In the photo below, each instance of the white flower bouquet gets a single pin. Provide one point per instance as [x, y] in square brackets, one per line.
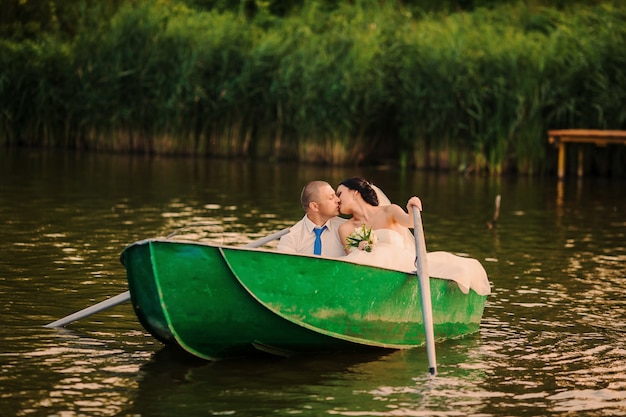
[361, 238]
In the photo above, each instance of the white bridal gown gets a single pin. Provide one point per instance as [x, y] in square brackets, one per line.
[389, 252]
[393, 251]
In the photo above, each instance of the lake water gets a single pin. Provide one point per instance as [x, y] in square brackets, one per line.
[551, 340]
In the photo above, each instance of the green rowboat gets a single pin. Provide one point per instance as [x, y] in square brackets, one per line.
[220, 301]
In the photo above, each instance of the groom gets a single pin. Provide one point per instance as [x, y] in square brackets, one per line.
[317, 232]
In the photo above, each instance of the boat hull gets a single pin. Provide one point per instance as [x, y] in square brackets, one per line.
[217, 302]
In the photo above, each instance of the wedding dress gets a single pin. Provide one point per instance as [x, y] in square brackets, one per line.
[389, 252]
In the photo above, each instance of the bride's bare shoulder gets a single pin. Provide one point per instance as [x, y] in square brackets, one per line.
[392, 209]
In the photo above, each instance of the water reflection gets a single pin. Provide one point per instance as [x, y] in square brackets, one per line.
[70, 374]
[562, 364]
[377, 383]
[551, 341]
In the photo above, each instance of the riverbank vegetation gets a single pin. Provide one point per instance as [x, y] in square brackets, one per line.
[468, 88]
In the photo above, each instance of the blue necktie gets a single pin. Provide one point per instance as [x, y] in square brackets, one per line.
[317, 246]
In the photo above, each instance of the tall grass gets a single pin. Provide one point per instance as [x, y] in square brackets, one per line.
[330, 85]
[160, 80]
[473, 92]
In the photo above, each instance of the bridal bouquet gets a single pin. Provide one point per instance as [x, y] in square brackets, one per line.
[361, 238]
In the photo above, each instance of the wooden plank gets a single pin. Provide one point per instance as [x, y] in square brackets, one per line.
[588, 133]
[596, 141]
[597, 137]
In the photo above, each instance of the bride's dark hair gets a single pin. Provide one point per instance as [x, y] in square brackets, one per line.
[363, 187]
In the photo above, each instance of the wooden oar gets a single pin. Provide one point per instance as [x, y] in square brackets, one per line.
[125, 296]
[421, 263]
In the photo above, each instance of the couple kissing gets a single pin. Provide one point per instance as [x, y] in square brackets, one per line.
[375, 233]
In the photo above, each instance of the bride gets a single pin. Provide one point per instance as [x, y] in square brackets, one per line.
[369, 207]
[395, 246]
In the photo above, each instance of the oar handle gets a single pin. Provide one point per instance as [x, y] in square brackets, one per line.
[421, 261]
[260, 242]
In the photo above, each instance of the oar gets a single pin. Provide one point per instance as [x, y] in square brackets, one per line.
[125, 296]
[103, 305]
[262, 241]
[421, 263]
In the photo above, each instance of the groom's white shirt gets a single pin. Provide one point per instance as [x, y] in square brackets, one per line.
[301, 238]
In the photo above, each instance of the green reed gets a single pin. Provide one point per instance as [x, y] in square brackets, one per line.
[474, 92]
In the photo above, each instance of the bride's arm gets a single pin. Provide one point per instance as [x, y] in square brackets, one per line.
[344, 231]
[400, 216]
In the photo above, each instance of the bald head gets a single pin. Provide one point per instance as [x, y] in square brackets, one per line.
[320, 202]
[311, 193]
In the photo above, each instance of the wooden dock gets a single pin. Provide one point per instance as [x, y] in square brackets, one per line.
[597, 137]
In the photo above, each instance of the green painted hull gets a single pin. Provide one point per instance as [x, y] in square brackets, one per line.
[217, 302]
